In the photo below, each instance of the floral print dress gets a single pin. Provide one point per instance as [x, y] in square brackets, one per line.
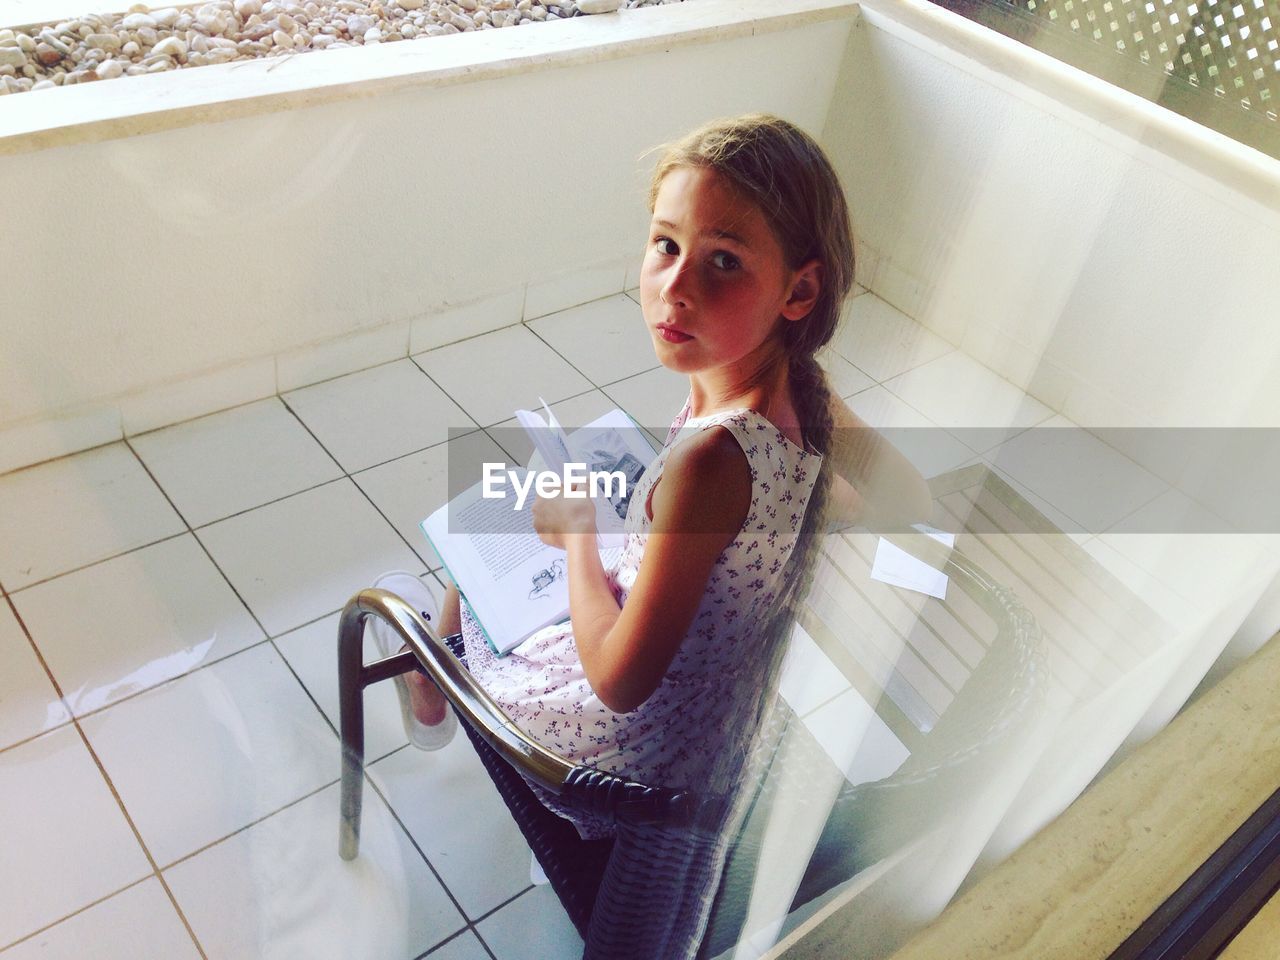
[704, 705]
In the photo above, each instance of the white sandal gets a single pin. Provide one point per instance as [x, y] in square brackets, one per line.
[415, 593]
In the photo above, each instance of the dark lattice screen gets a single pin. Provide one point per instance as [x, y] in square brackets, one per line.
[1217, 61]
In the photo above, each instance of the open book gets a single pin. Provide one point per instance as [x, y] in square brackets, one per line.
[513, 582]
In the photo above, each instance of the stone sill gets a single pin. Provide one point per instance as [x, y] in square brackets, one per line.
[112, 109]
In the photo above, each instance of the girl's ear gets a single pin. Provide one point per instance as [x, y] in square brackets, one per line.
[805, 287]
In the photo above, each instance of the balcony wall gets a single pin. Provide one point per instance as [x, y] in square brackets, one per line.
[204, 238]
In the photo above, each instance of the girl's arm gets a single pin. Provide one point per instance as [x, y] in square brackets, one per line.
[698, 507]
[872, 483]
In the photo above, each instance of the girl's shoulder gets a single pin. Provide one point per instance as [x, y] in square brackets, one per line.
[706, 483]
[711, 456]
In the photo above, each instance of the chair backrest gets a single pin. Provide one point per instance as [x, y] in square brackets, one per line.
[867, 822]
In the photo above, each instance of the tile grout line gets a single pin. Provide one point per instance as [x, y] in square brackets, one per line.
[94, 563]
[250, 825]
[74, 913]
[454, 937]
[102, 770]
[581, 303]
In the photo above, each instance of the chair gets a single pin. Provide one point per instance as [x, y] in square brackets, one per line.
[676, 878]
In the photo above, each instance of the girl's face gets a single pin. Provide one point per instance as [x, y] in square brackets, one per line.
[714, 287]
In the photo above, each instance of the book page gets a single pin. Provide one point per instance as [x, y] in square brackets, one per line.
[499, 548]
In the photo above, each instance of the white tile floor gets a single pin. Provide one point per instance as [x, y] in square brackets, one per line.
[168, 758]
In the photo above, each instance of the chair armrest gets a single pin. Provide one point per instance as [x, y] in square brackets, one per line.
[594, 790]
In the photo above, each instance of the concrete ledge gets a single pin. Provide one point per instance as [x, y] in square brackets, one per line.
[132, 106]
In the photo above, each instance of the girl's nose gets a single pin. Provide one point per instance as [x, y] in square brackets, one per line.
[676, 290]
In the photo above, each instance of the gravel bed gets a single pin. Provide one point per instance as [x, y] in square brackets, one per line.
[143, 40]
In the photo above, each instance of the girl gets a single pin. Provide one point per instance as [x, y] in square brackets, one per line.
[668, 657]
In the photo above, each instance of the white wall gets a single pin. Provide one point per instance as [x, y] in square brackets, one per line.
[215, 251]
[1120, 285]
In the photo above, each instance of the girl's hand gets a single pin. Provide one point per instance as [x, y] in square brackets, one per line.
[559, 517]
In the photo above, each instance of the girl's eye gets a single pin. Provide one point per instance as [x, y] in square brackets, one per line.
[660, 241]
[730, 262]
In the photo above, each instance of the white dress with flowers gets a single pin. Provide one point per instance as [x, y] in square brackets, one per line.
[703, 705]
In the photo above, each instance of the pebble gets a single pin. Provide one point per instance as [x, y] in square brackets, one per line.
[170, 47]
[47, 55]
[212, 22]
[52, 39]
[92, 46]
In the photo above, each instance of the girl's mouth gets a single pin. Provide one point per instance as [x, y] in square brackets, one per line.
[671, 334]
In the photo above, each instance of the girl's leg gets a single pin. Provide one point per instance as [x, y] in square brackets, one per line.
[428, 703]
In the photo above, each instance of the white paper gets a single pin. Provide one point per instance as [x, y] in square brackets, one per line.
[894, 566]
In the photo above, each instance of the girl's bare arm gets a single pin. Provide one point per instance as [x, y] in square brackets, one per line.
[698, 507]
[872, 483]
